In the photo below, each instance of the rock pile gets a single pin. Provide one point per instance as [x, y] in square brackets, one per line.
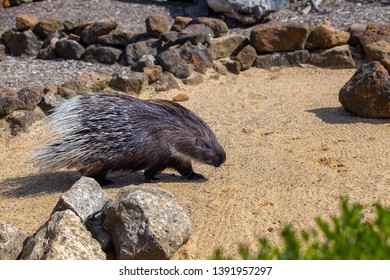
[138, 223]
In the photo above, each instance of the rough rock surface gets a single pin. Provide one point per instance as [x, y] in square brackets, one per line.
[102, 54]
[129, 82]
[226, 46]
[11, 242]
[85, 198]
[19, 43]
[146, 223]
[379, 51]
[278, 59]
[338, 57]
[69, 49]
[156, 24]
[92, 32]
[325, 36]
[88, 81]
[367, 93]
[26, 21]
[62, 237]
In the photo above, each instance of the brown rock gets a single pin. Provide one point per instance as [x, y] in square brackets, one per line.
[232, 66]
[19, 43]
[154, 72]
[379, 51]
[26, 21]
[193, 80]
[166, 82]
[102, 54]
[220, 68]
[129, 82]
[118, 37]
[218, 26]
[196, 33]
[9, 102]
[376, 32]
[31, 96]
[246, 57]
[326, 36]
[276, 36]
[199, 56]
[66, 92]
[357, 31]
[11, 242]
[180, 23]
[181, 97]
[227, 45]
[156, 24]
[367, 93]
[47, 27]
[71, 24]
[88, 82]
[20, 121]
[91, 32]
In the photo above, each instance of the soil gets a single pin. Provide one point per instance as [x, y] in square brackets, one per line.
[292, 152]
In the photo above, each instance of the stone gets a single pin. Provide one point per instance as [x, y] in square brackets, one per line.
[169, 38]
[184, 71]
[145, 61]
[11, 242]
[48, 52]
[326, 36]
[70, 49]
[247, 11]
[227, 46]
[156, 24]
[218, 26]
[193, 80]
[25, 22]
[279, 59]
[232, 66]
[246, 57]
[20, 121]
[91, 33]
[9, 102]
[379, 51]
[78, 30]
[65, 92]
[31, 96]
[47, 27]
[166, 82]
[356, 31]
[119, 37]
[199, 56]
[169, 60]
[62, 237]
[196, 33]
[129, 82]
[180, 97]
[376, 32]
[146, 223]
[220, 68]
[19, 43]
[338, 57]
[276, 36]
[95, 226]
[85, 198]
[153, 72]
[134, 52]
[102, 54]
[180, 23]
[88, 82]
[71, 24]
[367, 93]
[50, 101]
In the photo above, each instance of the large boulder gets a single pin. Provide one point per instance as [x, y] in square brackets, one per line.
[19, 43]
[326, 36]
[62, 237]
[277, 36]
[146, 223]
[367, 93]
[376, 32]
[247, 11]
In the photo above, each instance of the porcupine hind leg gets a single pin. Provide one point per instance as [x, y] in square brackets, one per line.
[150, 173]
[98, 174]
[185, 170]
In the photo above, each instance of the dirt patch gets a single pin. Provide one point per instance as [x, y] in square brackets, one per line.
[292, 151]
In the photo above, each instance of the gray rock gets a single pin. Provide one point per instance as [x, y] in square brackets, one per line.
[50, 101]
[95, 226]
[102, 54]
[184, 71]
[145, 61]
[19, 43]
[85, 198]
[277, 36]
[220, 68]
[218, 26]
[166, 82]
[134, 52]
[20, 121]
[227, 45]
[196, 33]
[367, 93]
[193, 80]
[11, 242]
[338, 57]
[31, 96]
[169, 60]
[146, 223]
[92, 32]
[169, 38]
[129, 82]
[199, 56]
[62, 237]
[356, 31]
[48, 52]
[247, 11]
[279, 59]
[71, 49]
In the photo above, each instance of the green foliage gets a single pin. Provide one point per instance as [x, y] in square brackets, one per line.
[347, 237]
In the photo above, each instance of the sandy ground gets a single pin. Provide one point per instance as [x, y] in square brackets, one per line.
[292, 151]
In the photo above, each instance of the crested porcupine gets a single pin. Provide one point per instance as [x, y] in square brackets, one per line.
[100, 133]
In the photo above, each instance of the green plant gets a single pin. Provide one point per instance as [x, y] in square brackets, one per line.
[346, 237]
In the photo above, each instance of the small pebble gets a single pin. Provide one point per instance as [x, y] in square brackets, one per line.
[180, 97]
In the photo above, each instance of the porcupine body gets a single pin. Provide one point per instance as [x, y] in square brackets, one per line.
[101, 133]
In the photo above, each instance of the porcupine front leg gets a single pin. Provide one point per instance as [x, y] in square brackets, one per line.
[185, 170]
